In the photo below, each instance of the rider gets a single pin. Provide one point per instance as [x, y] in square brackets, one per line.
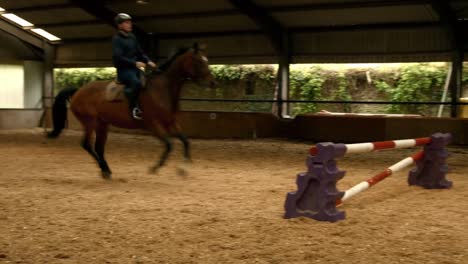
[128, 58]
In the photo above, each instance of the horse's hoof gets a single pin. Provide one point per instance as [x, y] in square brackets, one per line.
[52, 134]
[183, 168]
[182, 172]
[153, 169]
[106, 175]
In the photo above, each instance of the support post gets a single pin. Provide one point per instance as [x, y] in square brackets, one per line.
[454, 28]
[279, 37]
[48, 79]
[456, 81]
[283, 77]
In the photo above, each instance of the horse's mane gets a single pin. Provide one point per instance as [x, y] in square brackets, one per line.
[165, 65]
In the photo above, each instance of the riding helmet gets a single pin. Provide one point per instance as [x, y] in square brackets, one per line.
[122, 17]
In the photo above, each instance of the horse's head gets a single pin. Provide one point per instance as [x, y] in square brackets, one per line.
[195, 66]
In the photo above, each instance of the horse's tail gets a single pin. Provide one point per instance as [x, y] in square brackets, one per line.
[59, 111]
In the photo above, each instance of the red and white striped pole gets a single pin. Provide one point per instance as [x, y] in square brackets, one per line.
[372, 146]
[379, 177]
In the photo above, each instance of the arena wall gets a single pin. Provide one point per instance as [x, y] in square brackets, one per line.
[20, 118]
[314, 127]
[345, 129]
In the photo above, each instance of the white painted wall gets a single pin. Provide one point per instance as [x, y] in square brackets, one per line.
[12, 85]
[33, 83]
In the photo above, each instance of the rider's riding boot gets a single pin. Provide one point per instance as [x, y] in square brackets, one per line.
[135, 111]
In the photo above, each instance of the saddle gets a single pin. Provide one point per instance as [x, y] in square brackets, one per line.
[114, 90]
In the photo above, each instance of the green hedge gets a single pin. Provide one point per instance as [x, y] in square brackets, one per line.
[411, 82]
[66, 78]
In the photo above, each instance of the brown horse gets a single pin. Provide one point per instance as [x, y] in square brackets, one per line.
[159, 101]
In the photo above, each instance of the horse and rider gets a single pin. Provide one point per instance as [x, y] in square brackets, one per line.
[153, 107]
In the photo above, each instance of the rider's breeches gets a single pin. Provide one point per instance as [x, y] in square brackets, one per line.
[131, 79]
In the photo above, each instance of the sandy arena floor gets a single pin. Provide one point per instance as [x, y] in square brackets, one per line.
[55, 208]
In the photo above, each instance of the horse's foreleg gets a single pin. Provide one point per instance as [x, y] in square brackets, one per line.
[186, 144]
[182, 168]
[161, 133]
[168, 148]
[101, 138]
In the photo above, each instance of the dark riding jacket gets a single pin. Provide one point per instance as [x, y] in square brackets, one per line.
[126, 51]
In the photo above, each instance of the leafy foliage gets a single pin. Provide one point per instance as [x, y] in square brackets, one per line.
[414, 82]
[306, 85]
[242, 72]
[342, 93]
[65, 78]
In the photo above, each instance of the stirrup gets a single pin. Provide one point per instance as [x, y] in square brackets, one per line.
[136, 113]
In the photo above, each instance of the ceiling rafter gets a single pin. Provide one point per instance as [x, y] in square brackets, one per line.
[207, 34]
[377, 26]
[21, 34]
[97, 8]
[41, 8]
[185, 35]
[94, 22]
[448, 18]
[346, 5]
[154, 17]
[272, 27]
[213, 13]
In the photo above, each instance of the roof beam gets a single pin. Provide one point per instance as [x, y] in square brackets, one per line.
[208, 34]
[301, 30]
[186, 35]
[448, 18]
[213, 13]
[264, 20]
[285, 8]
[151, 18]
[40, 8]
[97, 8]
[378, 26]
[347, 5]
[21, 34]
[93, 22]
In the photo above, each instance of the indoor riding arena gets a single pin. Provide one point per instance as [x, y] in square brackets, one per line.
[228, 209]
[263, 186]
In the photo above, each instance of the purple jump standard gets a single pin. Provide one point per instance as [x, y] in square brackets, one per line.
[317, 196]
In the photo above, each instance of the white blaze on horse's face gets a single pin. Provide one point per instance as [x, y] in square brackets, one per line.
[204, 58]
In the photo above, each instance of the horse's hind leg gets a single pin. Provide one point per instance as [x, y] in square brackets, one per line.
[86, 142]
[89, 126]
[101, 138]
